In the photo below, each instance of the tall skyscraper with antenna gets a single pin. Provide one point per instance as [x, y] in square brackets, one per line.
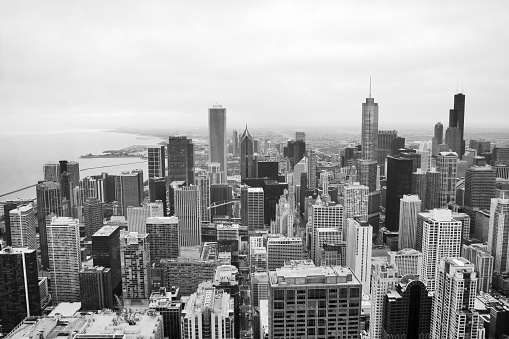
[217, 137]
[369, 133]
[457, 118]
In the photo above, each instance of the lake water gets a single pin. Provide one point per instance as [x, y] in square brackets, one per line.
[22, 156]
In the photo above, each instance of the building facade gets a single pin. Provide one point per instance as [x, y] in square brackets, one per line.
[135, 263]
[163, 236]
[217, 137]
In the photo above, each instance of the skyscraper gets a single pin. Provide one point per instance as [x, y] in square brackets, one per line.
[482, 259]
[135, 262]
[299, 294]
[235, 142]
[369, 133]
[453, 140]
[246, 155]
[281, 249]
[408, 261]
[95, 288]
[385, 277]
[447, 165]
[93, 216]
[49, 201]
[156, 161]
[19, 294]
[323, 236]
[359, 243]
[129, 189]
[252, 210]
[64, 253]
[106, 253]
[410, 205]
[180, 159]
[355, 203]
[441, 238]
[385, 139]
[479, 187]
[498, 233]
[188, 212]
[432, 190]
[453, 300]
[438, 138]
[163, 236]
[22, 226]
[457, 118]
[419, 187]
[203, 183]
[51, 171]
[217, 137]
[399, 183]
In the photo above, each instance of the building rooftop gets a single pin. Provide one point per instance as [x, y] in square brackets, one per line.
[226, 274]
[405, 251]
[105, 231]
[163, 220]
[15, 250]
[302, 273]
[208, 297]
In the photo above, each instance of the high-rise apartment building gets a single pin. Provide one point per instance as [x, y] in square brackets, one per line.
[441, 238]
[407, 310]
[49, 200]
[457, 119]
[408, 261]
[188, 212]
[355, 201]
[135, 263]
[129, 189]
[246, 155]
[453, 300]
[95, 288]
[359, 249]
[217, 137]
[306, 301]
[208, 314]
[399, 183]
[252, 210]
[93, 216]
[282, 249]
[482, 259]
[156, 161]
[19, 294]
[498, 233]
[447, 165]
[369, 133]
[163, 236]
[180, 159]
[384, 278]
[410, 205]
[64, 253]
[106, 253]
[22, 227]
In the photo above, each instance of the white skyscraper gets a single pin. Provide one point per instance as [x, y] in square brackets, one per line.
[188, 211]
[385, 277]
[358, 251]
[498, 233]
[447, 165]
[409, 206]
[23, 227]
[408, 261]
[441, 238]
[324, 215]
[453, 300]
[64, 253]
[478, 255]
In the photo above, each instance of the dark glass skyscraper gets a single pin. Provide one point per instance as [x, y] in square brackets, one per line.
[457, 118]
[93, 215]
[399, 183]
[180, 159]
[246, 155]
[156, 161]
[217, 137]
[369, 133]
[106, 253]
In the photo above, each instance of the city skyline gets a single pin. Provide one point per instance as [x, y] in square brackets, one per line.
[71, 66]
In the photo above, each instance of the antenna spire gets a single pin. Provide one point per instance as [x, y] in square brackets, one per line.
[370, 86]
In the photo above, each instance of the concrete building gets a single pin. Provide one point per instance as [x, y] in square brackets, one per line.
[453, 300]
[217, 137]
[306, 301]
[283, 249]
[135, 261]
[64, 252]
[259, 287]
[137, 216]
[409, 206]
[447, 166]
[498, 234]
[355, 203]
[323, 236]
[333, 254]
[188, 212]
[252, 211]
[359, 249]
[324, 214]
[23, 227]
[384, 278]
[478, 255]
[407, 260]
[163, 236]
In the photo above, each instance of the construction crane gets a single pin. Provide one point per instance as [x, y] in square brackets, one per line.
[218, 204]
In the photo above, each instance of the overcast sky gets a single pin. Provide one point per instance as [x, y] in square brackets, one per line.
[300, 64]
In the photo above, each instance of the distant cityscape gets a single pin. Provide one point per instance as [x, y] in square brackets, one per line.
[255, 234]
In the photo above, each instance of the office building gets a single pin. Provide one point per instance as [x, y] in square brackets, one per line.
[432, 190]
[457, 119]
[22, 227]
[369, 133]
[306, 301]
[419, 187]
[95, 288]
[49, 200]
[166, 301]
[407, 310]
[324, 215]
[453, 313]
[129, 189]
[385, 139]
[447, 165]
[106, 253]
[294, 152]
[478, 255]
[135, 263]
[501, 155]
[453, 139]
[359, 249]
[51, 171]
[399, 183]
[410, 205]
[220, 197]
[180, 159]
[355, 203]
[156, 161]
[19, 294]
[385, 277]
[441, 238]
[217, 137]
[137, 216]
[246, 155]
[203, 183]
[188, 212]
[282, 249]
[407, 260]
[323, 236]
[300, 136]
[163, 236]
[64, 253]
[438, 138]
[235, 143]
[259, 287]
[93, 216]
[284, 216]
[252, 211]
[498, 233]
[311, 162]
[479, 187]
[208, 314]
[157, 192]
[333, 254]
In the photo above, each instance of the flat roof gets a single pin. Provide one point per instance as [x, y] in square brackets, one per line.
[66, 309]
[105, 231]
